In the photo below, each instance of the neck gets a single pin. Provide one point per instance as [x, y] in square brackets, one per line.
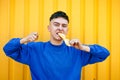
[56, 42]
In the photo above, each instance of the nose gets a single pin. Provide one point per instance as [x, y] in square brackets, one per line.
[60, 27]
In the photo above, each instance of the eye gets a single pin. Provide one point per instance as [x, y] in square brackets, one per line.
[64, 25]
[56, 24]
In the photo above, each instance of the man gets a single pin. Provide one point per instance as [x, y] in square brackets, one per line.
[54, 60]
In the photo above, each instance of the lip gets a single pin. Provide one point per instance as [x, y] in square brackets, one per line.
[57, 35]
[59, 32]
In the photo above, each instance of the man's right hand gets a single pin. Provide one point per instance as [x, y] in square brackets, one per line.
[30, 38]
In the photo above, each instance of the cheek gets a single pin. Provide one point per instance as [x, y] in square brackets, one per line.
[52, 29]
[66, 30]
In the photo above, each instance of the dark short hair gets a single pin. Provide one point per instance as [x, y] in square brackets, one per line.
[59, 14]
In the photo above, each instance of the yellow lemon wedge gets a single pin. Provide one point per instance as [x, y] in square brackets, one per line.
[64, 38]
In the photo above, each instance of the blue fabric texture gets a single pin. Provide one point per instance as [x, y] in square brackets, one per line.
[51, 62]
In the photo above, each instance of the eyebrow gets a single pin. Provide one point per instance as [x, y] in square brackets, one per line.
[56, 22]
[59, 23]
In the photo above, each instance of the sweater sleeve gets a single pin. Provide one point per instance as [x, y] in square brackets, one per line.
[97, 54]
[17, 51]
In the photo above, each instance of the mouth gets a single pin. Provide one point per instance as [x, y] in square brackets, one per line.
[58, 33]
[59, 37]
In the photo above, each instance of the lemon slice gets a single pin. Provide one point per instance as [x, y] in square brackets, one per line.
[64, 38]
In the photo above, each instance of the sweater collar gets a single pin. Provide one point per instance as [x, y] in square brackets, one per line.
[57, 46]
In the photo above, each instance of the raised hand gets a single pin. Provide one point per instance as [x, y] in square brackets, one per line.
[30, 38]
[77, 44]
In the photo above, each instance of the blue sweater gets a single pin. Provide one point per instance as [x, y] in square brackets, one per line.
[51, 62]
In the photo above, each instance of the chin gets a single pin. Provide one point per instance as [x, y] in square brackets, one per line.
[59, 39]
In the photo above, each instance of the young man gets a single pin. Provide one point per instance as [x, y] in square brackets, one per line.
[54, 60]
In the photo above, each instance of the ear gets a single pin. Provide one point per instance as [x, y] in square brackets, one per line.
[48, 28]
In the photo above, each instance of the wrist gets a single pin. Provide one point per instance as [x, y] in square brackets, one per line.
[23, 40]
[85, 48]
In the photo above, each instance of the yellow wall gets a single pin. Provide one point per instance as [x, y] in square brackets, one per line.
[91, 21]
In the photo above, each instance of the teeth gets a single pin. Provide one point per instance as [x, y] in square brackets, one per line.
[57, 33]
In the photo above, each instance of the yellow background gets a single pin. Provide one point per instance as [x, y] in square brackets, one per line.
[91, 21]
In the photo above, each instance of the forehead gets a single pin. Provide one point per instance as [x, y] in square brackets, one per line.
[59, 20]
